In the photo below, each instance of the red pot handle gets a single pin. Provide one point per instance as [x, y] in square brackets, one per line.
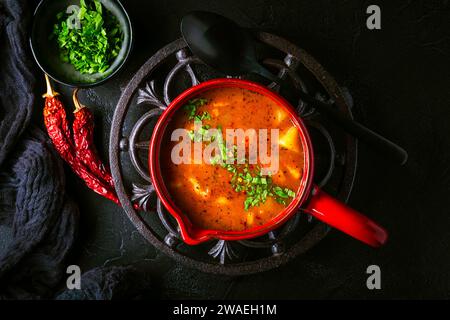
[336, 214]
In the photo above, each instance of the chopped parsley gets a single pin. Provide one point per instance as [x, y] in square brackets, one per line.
[192, 106]
[93, 46]
[200, 134]
[248, 178]
[256, 186]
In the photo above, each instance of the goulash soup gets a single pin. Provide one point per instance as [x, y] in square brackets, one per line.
[228, 189]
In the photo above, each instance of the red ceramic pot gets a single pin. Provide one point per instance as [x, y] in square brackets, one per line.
[309, 197]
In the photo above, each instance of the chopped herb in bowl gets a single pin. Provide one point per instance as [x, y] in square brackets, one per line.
[92, 44]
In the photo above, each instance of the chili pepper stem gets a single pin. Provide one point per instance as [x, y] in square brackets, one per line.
[50, 93]
[76, 102]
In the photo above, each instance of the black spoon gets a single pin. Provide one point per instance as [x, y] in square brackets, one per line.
[225, 46]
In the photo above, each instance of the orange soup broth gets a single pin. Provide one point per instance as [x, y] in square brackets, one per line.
[204, 192]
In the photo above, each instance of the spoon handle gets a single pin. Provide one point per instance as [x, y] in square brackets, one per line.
[359, 131]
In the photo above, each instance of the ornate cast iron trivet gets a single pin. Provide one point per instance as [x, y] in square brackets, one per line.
[173, 69]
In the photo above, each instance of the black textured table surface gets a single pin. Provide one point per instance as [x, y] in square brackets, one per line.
[399, 78]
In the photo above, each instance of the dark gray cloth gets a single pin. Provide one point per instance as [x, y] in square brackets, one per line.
[111, 283]
[33, 202]
[16, 79]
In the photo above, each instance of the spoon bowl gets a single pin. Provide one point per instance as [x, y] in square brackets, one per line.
[219, 42]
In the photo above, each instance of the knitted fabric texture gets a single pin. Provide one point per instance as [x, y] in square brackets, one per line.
[33, 202]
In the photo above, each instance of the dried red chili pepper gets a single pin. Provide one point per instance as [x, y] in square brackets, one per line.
[83, 136]
[55, 120]
[58, 129]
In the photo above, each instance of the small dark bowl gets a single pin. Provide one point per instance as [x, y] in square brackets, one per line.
[46, 51]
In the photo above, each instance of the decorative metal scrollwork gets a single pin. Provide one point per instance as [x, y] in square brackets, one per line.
[141, 195]
[184, 63]
[135, 144]
[148, 95]
[155, 89]
[222, 250]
